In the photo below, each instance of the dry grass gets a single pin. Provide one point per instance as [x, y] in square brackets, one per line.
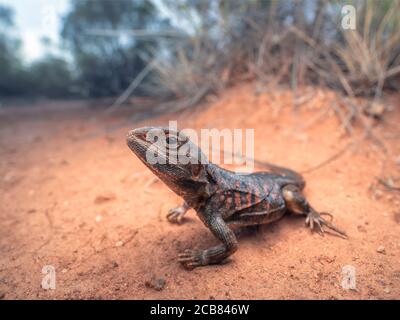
[256, 41]
[272, 43]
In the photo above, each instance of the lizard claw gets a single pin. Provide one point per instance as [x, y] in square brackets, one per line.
[191, 259]
[314, 218]
[175, 215]
[327, 214]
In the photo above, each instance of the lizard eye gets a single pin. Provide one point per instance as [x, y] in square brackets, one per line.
[171, 140]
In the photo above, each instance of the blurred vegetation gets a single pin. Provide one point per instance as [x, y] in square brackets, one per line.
[107, 64]
[48, 77]
[285, 42]
[51, 76]
[11, 70]
[121, 47]
[102, 65]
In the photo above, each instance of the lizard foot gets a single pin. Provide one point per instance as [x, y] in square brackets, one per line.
[191, 259]
[175, 215]
[314, 219]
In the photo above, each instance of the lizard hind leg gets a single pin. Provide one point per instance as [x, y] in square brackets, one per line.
[297, 203]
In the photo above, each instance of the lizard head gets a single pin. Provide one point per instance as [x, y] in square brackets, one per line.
[171, 156]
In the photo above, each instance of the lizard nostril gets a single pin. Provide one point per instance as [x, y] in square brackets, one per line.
[131, 135]
[136, 134]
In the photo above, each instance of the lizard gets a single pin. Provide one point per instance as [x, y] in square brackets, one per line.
[222, 199]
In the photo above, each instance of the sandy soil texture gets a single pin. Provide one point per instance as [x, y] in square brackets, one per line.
[73, 196]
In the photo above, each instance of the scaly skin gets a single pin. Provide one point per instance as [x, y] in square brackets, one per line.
[221, 198]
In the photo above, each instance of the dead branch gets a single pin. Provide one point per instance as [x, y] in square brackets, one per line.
[388, 184]
[134, 84]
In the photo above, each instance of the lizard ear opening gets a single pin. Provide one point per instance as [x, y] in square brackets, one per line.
[195, 168]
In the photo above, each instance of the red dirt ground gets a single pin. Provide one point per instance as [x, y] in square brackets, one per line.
[74, 196]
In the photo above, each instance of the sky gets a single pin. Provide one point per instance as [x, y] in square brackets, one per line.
[35, 19]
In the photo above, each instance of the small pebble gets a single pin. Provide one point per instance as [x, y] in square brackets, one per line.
[361, 228]
[386, 290]
[104, 198]
[381, 249]
[378, 194]
[119, 244]
[156, 283]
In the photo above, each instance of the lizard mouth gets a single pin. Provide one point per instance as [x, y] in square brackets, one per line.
[156, 159]
[135, 135]
[137, 141]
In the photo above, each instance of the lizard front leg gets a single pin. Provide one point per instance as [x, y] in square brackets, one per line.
[175, 215]
[194, 258]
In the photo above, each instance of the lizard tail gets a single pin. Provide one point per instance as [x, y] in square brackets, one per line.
[282, 171]
[286, 172]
